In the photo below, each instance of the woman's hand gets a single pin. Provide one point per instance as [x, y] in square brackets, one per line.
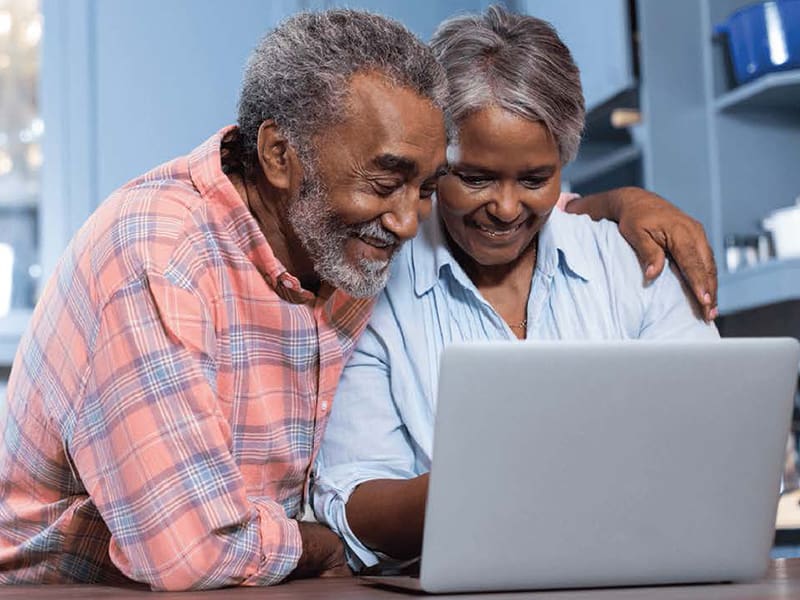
[653, 227]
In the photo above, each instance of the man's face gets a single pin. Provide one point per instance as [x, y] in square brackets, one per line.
[371, 185]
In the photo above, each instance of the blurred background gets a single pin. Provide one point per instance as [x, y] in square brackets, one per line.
[697, 100]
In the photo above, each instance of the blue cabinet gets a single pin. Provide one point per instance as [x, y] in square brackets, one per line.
[598, 33]
[728, 155]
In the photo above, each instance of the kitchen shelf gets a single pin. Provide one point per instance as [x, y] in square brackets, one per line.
[751, 287]
[598, 158]
[772, 91]
[12, 326]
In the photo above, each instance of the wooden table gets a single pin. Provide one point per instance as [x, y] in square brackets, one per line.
[782, 581]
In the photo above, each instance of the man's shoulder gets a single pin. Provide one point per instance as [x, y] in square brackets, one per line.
[154, 223]
[159, 196]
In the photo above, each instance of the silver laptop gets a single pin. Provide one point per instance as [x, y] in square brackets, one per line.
[580, 464]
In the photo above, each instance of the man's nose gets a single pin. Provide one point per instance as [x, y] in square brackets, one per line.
[404, 217]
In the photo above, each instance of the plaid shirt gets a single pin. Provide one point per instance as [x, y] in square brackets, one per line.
[169, 396]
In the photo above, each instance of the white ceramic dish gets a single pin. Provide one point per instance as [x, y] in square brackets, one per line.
[784, 224]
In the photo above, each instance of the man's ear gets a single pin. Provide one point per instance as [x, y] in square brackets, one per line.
[276, 156]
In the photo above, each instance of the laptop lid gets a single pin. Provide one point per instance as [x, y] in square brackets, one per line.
[572, 464]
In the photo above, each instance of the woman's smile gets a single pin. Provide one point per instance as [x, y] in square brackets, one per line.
[500, 232]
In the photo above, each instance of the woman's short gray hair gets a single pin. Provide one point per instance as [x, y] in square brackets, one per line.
[298, 75]
[516, 62]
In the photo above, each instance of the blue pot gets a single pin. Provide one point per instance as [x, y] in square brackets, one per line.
[763, 38]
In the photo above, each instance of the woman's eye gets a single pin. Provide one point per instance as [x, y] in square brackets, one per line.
[533, 183]
[474, 180]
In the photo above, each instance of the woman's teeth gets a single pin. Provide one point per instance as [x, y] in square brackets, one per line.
[498, 232]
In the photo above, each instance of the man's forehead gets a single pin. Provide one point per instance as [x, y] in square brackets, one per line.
[377, 107]
[371, 88]
[384, 126]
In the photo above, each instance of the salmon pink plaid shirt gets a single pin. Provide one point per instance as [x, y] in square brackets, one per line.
[170, 395]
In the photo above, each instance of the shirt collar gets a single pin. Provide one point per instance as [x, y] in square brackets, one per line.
[561, 244]
[205, 170]
[430, 254]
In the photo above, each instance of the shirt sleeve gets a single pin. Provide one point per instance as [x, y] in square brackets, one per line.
[671, 311]
[365, 439]
[153, 450]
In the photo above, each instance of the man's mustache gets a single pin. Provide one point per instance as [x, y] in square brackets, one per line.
[373, 229]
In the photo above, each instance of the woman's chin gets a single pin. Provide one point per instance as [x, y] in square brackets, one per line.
[496, 256]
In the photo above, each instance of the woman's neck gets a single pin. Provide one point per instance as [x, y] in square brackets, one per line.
[505, 287]
[508, 275]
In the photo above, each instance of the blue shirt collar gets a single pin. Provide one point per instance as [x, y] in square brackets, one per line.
[561, 245]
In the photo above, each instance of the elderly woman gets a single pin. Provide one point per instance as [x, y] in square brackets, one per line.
[498, 263]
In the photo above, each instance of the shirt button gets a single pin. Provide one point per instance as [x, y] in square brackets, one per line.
[287, 283]
[324, 405]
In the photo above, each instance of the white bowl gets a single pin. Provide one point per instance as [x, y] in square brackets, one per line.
[784, 224]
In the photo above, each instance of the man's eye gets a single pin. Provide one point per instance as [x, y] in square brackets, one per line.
[475, 180]
[427, 192]
[385, 188]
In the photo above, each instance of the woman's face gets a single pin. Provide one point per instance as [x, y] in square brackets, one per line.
[504, 180]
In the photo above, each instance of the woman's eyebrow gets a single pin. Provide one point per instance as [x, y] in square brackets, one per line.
[463, 166]
[541, 171]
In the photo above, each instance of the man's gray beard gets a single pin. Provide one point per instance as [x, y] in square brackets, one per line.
[324, 237]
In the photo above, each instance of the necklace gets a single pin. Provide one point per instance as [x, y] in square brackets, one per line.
[522, 325]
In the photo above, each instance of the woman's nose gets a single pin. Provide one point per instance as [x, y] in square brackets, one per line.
[505, 204]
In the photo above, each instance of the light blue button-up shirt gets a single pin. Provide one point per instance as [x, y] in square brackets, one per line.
[587, 285]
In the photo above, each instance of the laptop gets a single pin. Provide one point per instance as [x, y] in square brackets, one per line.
[585, 464]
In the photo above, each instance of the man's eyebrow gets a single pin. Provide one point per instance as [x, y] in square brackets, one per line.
[399, 164]
[441, 171]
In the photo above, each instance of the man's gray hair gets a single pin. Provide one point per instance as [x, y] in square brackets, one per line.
[299, 73]
[516, 62]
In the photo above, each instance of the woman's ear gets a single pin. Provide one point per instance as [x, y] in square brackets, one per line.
[276, 157]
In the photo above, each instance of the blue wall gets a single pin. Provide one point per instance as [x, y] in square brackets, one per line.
[160, 77]
[129, 84]
[167, 76]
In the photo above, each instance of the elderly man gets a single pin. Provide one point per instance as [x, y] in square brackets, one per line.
[170, 395]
